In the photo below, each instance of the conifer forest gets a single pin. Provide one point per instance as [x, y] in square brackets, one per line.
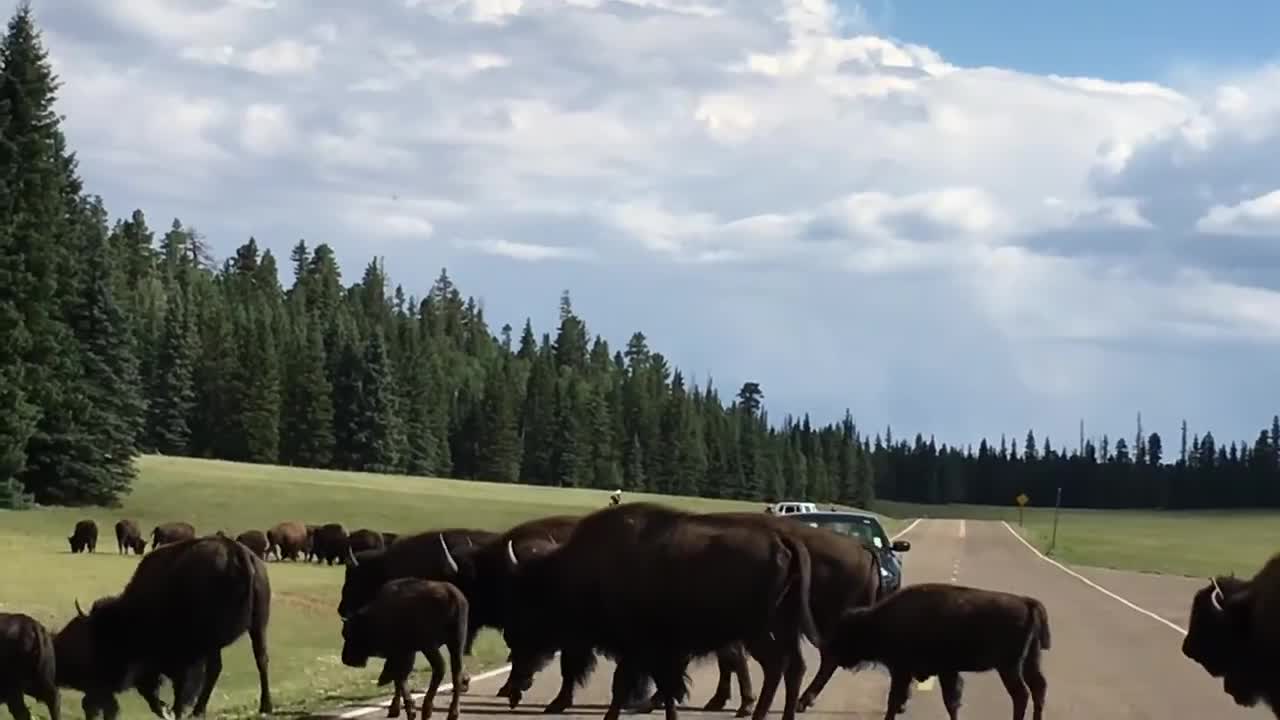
[127, 336]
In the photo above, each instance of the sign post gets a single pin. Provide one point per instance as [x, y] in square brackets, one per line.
[1022, 501]
[1053, 541]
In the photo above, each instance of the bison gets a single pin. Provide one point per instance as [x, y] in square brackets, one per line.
[944, 629]
[654, 587]
[288, 539]
[171, 532]
[1231, 635]
[389, 537]
[84, 538]
[129, 537]
[364, 539]
[330, 543]
[407, 616]
[28, 666]
[185, 602]
[255, 540]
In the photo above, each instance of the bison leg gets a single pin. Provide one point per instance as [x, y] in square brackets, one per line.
[258, 623]
[826, 668]
[899, 693]
[1036, 682]
[402, 695]
[1012, 678]
[436, 660]
[576, 665]
[738, 661]
[148, 686]
[624, 676]
[458, 675]
[773, 663]
[18, 706]
[106, 705]
[952, 687]
[212, 671]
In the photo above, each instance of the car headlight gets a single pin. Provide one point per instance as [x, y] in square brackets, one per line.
[883, 572]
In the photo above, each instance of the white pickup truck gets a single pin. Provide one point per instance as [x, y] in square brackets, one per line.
[786, 508]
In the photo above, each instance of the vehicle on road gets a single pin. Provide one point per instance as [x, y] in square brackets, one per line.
[865, 528]
[791, 507]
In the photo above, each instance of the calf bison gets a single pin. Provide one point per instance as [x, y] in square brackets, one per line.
[129, 537]
[288, 540]
[84, 538]
[943, 629]
[185, 602]
[364, 539]
[171, 532]
[28, 666]
[1232, 635]
[330, 543]
[255, 540]
[408, 616]
[653, 587]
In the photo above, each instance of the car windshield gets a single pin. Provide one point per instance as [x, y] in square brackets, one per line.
[865, 529]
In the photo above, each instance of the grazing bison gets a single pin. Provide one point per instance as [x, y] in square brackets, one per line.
[1232, 635]
[330, 543]
[943, 629]
[28, 666]
[171, 532]
[129, 537]
[185, 602]
[364, 539]
[255, 540]
[288, 539]
[653, 587]
[84, 538]
[408, 616]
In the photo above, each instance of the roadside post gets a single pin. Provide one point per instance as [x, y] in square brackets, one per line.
[1053, 541]
[1022, 501]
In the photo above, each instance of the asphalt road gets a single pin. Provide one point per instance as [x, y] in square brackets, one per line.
[1110, 659]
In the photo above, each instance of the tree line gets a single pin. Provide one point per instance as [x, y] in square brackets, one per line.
[120, 339]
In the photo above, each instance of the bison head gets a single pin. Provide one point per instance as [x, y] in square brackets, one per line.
[1218, 636]
[75, 543]
[357, 640]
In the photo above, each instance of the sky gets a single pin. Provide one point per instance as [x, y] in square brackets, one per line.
[958, 219]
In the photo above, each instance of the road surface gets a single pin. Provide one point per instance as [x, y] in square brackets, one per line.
[1110, 658]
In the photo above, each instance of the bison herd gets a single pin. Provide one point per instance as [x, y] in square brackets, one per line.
[651, 587]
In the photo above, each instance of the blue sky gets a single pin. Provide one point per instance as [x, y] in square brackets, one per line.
[963, 219]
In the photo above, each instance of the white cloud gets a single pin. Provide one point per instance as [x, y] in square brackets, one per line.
[951, 230]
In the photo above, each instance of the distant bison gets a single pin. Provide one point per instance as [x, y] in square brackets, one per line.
[363, 539]
[408, 616]
[255, 540]
[185, 602]
[84, 538]
[288, 540]
[27, 665]
[330, 543]
[944, 629]
[171, 532]
[129, 537]
[1232, 635]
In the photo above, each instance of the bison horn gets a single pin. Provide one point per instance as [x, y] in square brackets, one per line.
[1216, 597]
[78, 610]
[448, 556]
[351, 558]
[511, 553]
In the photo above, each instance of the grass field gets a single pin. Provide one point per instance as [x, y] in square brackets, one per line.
[1195, 543]
[42, 577]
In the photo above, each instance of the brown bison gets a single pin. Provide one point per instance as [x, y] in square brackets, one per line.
[365, 539]
[1231, 635]
[330, 544]
[287, 540]
[84, 538]
[185, 602]
[171, 532]
[28, 666]
[255, 540]
[408, 616]
[944, 629]
[654, 587]
[129, 537]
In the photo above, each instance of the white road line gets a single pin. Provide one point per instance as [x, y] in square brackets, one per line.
[927, 685]
[1089, 582]
[417, 697]
[446, 687]
[962, 529]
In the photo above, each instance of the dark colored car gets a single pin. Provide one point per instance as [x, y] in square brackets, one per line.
[865, 528]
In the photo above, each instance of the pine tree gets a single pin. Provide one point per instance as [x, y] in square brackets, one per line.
[173, 396]
[500, 441]
[307, 418]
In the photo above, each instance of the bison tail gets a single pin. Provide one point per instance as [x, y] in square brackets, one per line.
[1040, 623]
[803, 566]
